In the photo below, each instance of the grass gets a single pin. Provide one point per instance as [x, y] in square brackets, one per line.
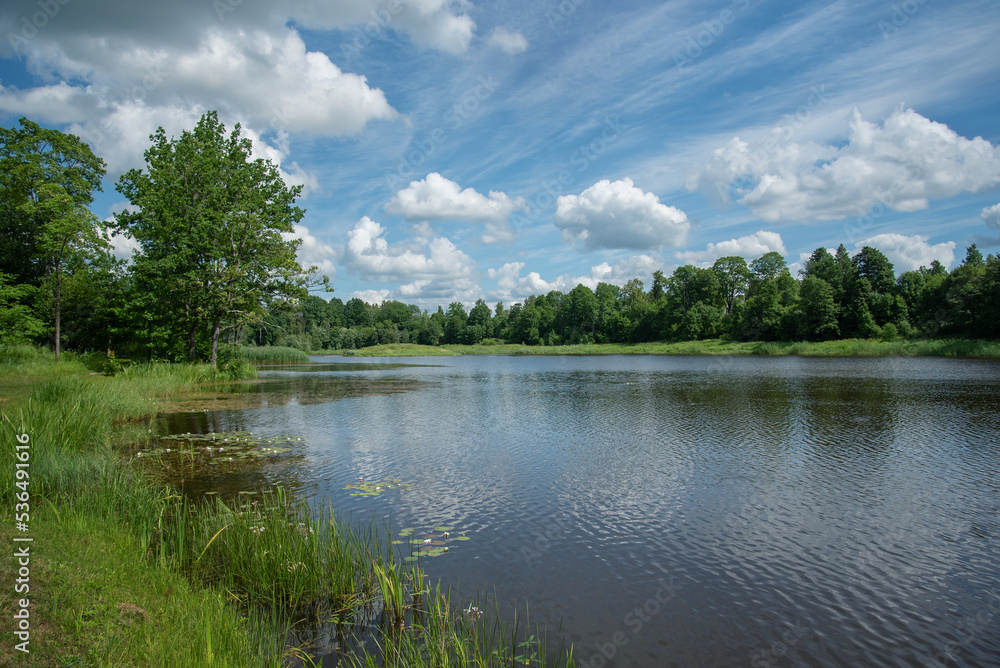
[125, 572]
[847, 347]
[273, 355]
[97, 602]
[396, 350]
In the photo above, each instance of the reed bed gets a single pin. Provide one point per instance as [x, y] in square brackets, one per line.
[272, 355]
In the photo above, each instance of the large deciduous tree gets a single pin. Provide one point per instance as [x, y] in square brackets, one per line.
[210, 220]
[33, 161]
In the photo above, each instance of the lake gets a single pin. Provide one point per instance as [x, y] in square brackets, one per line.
[669, 511]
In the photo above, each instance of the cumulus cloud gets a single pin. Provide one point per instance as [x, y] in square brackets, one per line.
[750, 247]
[619, 215]
[437, 198]
[432, 272]
[910, 252]
[372, 296]
[512, 287]
[312, 252]
[114, 71]
[991, 216]
[902, 164]
[508, 42]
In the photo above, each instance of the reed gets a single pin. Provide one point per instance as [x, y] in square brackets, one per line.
[272, 355]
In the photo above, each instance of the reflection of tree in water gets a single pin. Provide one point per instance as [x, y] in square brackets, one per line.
[299, 390]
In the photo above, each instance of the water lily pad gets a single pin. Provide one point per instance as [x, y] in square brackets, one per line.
[365, 488]
[442, 528]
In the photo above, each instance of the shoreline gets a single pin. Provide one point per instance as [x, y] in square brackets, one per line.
[956, 348]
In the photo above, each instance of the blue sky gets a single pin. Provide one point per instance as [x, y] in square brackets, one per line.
[456, 150]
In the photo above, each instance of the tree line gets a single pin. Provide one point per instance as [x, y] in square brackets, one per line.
[835, 296]
[215, 266]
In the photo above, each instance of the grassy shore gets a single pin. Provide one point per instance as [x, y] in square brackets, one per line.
[843, 348]
[125, 572]
[272, 355]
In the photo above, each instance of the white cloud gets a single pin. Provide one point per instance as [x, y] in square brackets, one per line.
[750, 247]
[619, 215]
[115, 84]
[122, 247]
[512, 287]
[371, 296]
[910, 252]
[991, 216]
[437, 198]
[902, 164]
[312, 251]
[509, 42]
[431, 272]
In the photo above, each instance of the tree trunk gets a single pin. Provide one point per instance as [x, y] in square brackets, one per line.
[58, 296]
[215, 343]
[193, 342]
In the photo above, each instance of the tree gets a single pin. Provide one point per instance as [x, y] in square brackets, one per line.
[455, 323]
[733, 276]
[67, 233]
[209, 222]
[817, 309]
[870, 263]
[479, 325]
[31, 159]
[17, 324]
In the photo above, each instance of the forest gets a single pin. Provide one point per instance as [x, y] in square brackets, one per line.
[215, 268]
[836, 296]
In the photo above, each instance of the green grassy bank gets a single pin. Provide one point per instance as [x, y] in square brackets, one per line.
[843, 348]
[125, 572]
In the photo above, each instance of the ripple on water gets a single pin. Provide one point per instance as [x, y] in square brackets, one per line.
[712, 512]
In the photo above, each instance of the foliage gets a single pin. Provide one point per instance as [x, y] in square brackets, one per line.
[209, 221]
[34, 160]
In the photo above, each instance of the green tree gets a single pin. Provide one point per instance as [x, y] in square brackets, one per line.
[17, 323]
[870, 263]
[67, 235]
[209, 221]
[733, 276]
[32, 160]
[479, 325]
[818, 309]
[455, 323]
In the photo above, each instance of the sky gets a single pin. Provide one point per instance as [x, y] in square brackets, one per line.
[452, 150]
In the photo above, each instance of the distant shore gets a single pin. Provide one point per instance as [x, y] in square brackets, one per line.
[841, 348]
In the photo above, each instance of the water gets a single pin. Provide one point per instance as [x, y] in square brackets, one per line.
[675, 511]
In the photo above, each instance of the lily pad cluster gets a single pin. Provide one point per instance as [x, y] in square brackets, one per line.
[365, 488]
[221, 446]
[429, 543]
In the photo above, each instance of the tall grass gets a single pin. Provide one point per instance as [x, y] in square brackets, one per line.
[273, 355]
